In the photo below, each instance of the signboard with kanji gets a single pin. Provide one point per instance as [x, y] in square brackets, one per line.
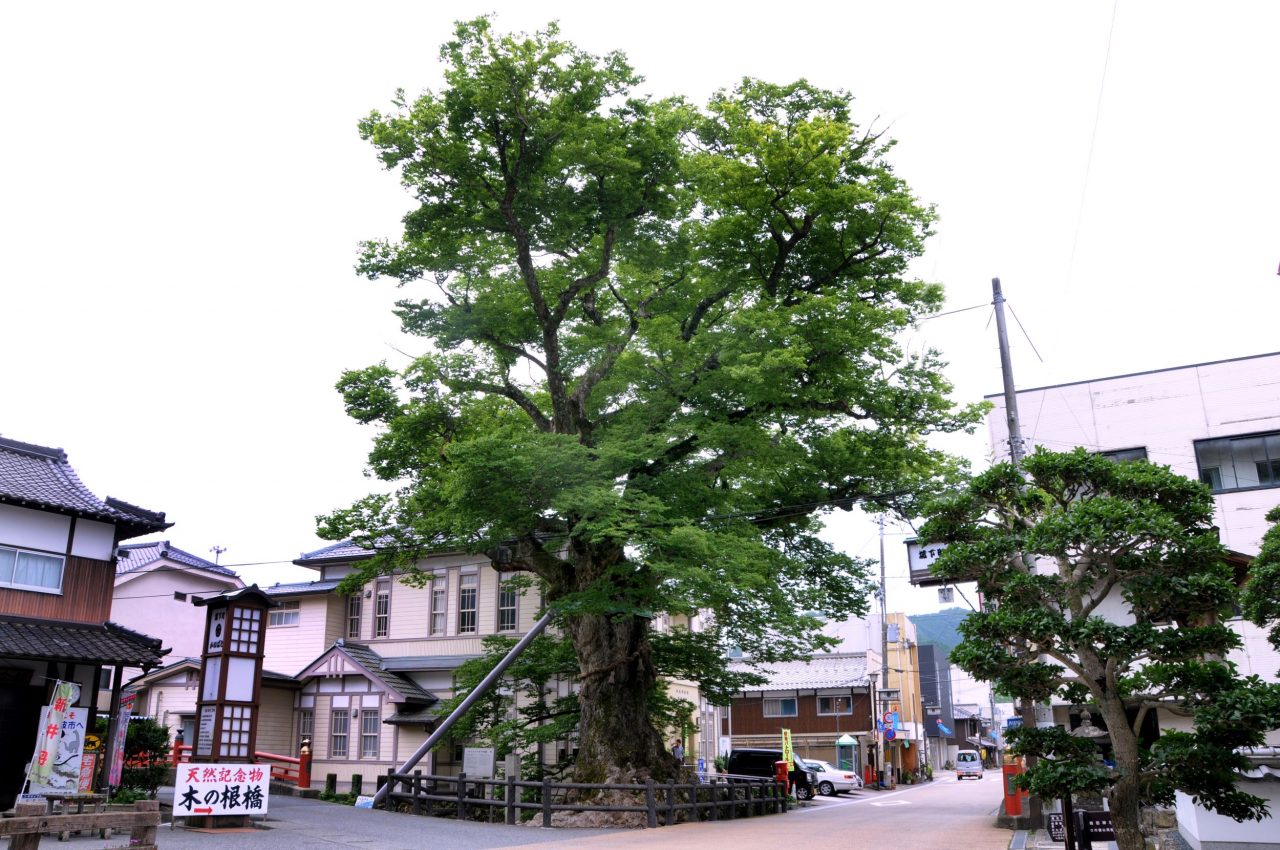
[1057, 831]
[920, 557]
[221, 789]
[88, 762]
[477, 762]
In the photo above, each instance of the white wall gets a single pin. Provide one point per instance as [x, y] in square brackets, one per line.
[1166, 412]
[30, 529]
[1206, 830]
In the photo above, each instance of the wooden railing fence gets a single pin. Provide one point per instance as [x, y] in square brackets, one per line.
[32, 820]
[295, 771]
[712, 798]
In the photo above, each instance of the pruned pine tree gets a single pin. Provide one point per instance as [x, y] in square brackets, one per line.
[1110, 588]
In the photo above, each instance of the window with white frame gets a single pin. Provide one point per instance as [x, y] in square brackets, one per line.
[468, 592]
[835, 705]
[355, 607]
[339, 725]
[508, 602]
[382, 609]
[1247, 462]
[780, 707]
[306, 723]
[27, 570]
[287, 614]
[369, 727]
[439, 603]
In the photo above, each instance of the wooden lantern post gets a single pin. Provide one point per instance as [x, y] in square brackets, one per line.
[231, 676]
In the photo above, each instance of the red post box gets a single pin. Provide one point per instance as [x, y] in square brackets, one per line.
[782, 773]
[1012, 796]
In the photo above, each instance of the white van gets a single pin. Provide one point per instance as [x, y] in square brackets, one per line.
[968, 763]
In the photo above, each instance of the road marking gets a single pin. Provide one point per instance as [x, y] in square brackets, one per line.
[893, 803]
[875, 801]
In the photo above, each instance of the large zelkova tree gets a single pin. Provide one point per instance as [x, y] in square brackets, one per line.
[661, 341]
[1109, 587]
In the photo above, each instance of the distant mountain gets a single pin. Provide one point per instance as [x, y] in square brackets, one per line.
[941, 629]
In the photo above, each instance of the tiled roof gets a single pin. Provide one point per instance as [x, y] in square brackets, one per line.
[300, 588]
[349, 550]
[372, 662]
[194, 665]
[77, 642]
[40, 477]
[142, 554]
[415, 663]
[414, 713]
[822, 671]
[345, 550]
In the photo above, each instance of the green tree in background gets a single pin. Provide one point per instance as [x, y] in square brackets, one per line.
[1261, 598]
[1110, 586]
[660, 343]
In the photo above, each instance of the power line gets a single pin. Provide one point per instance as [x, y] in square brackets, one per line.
[953, 312]
[1093, 138]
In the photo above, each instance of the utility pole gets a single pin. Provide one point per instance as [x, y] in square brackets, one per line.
[1006, 372]
[1028, 709]
[886, 765]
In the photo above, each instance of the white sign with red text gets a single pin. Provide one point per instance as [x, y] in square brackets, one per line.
[221, 789]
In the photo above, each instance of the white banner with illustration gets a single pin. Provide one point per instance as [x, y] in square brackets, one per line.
[55, 765]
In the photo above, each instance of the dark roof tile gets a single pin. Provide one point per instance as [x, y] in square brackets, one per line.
[140, 555]
[372, 662]
[78, 642]
[40, 477]
[300, 588]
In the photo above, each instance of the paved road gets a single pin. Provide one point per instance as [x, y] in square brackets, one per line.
[941, 815]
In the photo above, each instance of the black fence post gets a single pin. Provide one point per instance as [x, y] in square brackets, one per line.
[546, 801]
[511, 801]
[1083, 840]
[417, 792]
[671, 802]
[650, 805]
[462, 796]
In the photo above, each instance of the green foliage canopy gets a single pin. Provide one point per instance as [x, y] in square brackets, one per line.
[661, 341]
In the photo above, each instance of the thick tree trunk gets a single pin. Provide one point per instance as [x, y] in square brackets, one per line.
[1124, 814]
[618, 742]
[1124, 796]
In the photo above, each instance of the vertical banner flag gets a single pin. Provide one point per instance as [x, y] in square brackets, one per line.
[50, 743]
[117, 743]
[787, 754]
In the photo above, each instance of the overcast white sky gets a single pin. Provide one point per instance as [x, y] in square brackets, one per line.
[182, 190]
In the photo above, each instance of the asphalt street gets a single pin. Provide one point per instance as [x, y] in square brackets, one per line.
[941, 815]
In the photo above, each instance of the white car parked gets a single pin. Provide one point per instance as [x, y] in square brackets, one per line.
[833, 780]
